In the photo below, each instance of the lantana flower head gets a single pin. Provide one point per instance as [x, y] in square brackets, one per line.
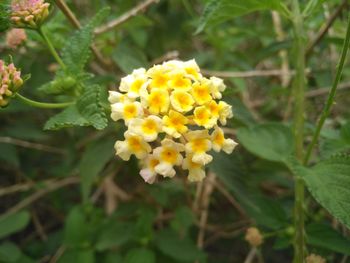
[10, 82]
[15, 37]
[29, 13]
[172, 113]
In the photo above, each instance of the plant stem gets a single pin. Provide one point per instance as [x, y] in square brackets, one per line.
[43, 105]
[331, 96]
[299, 109]
[51, 47]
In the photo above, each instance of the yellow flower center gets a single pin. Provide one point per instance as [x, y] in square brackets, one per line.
[153, 163]
[134, 144]
[149, 126]
[157, 99]
[136, 85]
[199, 145]
[201, 115]
[130, 111]
[169, 155]
[179, 82]
[219, 138]
[201, 93]
[159, 81]
[182, 101]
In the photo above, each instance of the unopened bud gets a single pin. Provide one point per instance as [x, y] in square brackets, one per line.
[254, 237]
[10, 82]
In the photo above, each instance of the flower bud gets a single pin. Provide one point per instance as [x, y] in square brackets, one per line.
[10, 82]
[315, 259]
[29, 13]
[15, 37]
[253, 237]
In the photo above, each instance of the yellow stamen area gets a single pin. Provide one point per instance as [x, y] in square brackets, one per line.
[201, 93]
[159, 80]
[169, 155]
[219, 138]
[201, 115]
[181, 100]
[180, 82]
[214, 108]
[149, 126]
[136, 85]
[176, 120]
[199, 145]
[153, 163]
[130, 111]
[135, 144]
[157, 100]
[192, 71]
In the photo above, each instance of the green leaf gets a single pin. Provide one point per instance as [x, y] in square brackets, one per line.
[328, 182]
[139, 255]
[181, 249]
[67, 118]
[9, 252]
[87, 111]
[78, 256]
[323, 236]
[76, 52]
[219, 11]
[13, 223]
[94, 159]
[183, 220]
[5, 21]
[272, 141]
[90, 107]
[76, 230]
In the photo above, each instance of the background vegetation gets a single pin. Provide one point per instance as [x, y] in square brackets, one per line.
[65, 197]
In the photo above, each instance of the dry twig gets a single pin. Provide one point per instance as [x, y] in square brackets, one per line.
[125, 17]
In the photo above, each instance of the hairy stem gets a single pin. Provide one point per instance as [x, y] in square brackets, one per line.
[299, 109]
[43, 105]
[51, 47]
[331, 96]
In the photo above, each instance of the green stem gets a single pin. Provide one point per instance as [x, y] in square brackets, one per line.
[51, 47]
[331, 96]
[299, 109]
[43, 105]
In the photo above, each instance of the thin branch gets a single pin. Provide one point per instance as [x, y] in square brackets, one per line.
[251, 255]
[75, 22]
[125, 17]
[324, 29]
[324, 91]
[31, 145]
[40, 193]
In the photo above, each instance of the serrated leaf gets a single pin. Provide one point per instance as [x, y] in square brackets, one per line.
[94, 159]
[90, 107]
[328, 182]
[76, 52]
[271, 141]
[219, 11]
[13, 223]
[67, 118]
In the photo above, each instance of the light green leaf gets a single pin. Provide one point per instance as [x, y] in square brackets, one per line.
[323, 236]
[272, 141]
[219, 11]
[67, 118]
[94, 159]
[181, 249]
[76, 52]
[90, 107]
[76, 230]
[87, 111]
[13, 223]
[139, 255]
[328, 182]
[9, 252]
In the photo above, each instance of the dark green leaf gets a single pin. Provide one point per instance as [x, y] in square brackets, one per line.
[272, 141]
[139, 255]
[8, 153]
[9, 252]
[13, 223]
[76, 230]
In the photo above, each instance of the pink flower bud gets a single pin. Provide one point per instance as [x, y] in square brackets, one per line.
[10, 82]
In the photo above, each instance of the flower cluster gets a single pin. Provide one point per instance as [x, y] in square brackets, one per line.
[10, 82]
[29, 13]
[15, 37]
[253, 237]
[172, 113]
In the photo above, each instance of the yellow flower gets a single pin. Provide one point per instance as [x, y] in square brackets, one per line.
[201, 92]
[133, 144]
[148, 173]
[159, 77]
[148, 127]
[168, 155]
[225, 112]
[203, 117]
[133, 83]
[181, 101]
[179, 81]
[126, 111]
[115, 97]
[217, 86]
[192, 69]
[174, 124]
[157, 101]
[219, 142]
[198, 144]
[196, 172]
